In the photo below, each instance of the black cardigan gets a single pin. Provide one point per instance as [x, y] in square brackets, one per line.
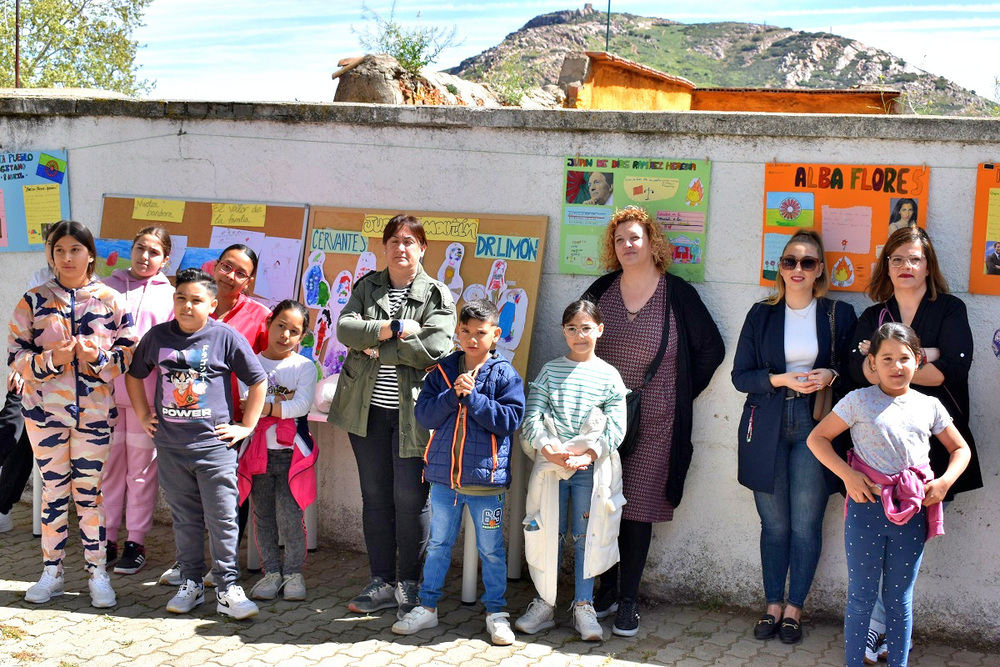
[944, 324]
[700, 351]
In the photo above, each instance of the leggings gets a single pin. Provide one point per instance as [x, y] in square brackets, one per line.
[130, 479]
[633, 543]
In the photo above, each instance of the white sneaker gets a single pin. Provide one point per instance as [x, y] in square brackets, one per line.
[539, 616]
[233, 602]
[49, 586]
[189, 596]
[6, 522]
[172, 577]
[419, 618]
[102, 595]
[209, 579]
[293, 586]
[267, 588]
[585, 622]
[498, 628]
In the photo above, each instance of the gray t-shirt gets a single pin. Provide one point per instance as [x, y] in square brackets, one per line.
[194, 376]
[892, 433]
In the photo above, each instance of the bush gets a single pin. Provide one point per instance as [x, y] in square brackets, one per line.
[413, 47]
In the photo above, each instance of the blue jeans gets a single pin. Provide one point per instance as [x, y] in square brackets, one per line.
[876, 547]
[577, 490]
[791, 518]
[446, 519]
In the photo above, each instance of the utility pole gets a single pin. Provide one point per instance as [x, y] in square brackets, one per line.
[607, 35]
[17, 42]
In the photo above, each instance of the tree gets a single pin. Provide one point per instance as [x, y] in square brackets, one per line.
[74, 44]
[412, 48]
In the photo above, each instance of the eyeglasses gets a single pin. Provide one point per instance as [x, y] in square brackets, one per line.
[807, 263]
[239, 274]
[585, 330]
[897, 261]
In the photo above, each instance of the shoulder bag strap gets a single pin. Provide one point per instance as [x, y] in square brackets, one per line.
[654, 365]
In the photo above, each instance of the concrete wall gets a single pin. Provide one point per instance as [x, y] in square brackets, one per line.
[510, 161]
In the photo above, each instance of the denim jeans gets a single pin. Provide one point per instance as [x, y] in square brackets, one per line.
[577, 491]
[875, 547]
[277, 516]
[394, 511]
[446, 518]
[791, 518]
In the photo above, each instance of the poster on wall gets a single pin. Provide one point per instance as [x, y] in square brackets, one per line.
[674, 192]
[984, 267]
[34, 193]
[854, 208]
[479, 256]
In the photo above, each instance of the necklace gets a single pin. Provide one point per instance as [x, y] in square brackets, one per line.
[636, 313]
[801, 313]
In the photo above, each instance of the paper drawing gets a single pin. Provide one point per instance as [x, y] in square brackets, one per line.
[314, 285]
[179, 244]
[790, 209]
[366, 264]
[773, 245]
[451, 268]
[513, 307]
[841, 270]
[278, 262]
[847, 230]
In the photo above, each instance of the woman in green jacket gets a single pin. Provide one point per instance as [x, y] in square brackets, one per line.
[398, 322]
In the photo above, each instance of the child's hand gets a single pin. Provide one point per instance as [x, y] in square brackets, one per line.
[934, 491]
[553, 455]
[859, 487]
[232, 434]
[15, 382]
[464, 384]
[87, 350]
[149, 424]
[580, 462]
[63, 352]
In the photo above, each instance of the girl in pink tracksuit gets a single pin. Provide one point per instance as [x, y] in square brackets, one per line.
[130, 472]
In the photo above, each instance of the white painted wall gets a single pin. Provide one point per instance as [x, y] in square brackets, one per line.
[510, 162]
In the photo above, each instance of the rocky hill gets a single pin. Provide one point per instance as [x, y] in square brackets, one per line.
[721, 54]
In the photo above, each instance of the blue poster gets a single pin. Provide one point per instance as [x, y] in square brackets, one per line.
[34, 193]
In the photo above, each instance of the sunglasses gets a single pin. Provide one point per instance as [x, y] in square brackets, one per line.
[807, 263]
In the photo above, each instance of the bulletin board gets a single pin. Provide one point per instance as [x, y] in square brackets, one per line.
[34, 193]
[478, 256]
[673, 192]
[984, 269]
[201, 229]
[853, 207]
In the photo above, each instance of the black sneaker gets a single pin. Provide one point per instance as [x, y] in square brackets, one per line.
[605, 602]
[112, 552]
[133, 559]
[627, 618]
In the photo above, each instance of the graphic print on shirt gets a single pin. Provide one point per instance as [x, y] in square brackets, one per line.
[183, 378]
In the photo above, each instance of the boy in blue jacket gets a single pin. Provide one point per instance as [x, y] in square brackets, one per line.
[473, 400]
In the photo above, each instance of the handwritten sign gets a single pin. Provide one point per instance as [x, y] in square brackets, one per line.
[993, 215]
[42, 206]
[158, 210]
[337, 240]
[497, 246]
[436, 229]
[238, 215]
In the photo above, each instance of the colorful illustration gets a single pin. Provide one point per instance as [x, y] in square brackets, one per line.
[673, 192]
[984, 260]
[366, 264]
[450, 272]
[34, 193]
[182, 378]
[790, 209]
[333, 358]
[513, 307]
[841, 271]
[314, 286]
[112, 254]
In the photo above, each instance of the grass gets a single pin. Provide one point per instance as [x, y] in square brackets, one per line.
[12, 632]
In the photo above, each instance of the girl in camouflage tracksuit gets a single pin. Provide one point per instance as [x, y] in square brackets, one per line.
[69, 337]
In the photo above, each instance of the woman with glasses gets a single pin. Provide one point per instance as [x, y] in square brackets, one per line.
[793, 344]
[397, 323]
[908, 287]
[640, 302]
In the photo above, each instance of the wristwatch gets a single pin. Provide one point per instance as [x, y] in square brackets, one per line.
[396, 327]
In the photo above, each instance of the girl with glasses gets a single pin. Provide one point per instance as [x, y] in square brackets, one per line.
[793, 344]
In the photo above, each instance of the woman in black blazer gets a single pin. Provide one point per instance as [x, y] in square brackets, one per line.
[784, 356]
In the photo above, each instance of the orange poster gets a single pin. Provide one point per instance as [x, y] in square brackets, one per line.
[984, 270]
[853, 207]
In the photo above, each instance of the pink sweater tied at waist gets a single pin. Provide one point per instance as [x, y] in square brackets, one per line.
[903, 494]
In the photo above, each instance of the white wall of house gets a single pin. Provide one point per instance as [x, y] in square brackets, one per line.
[511, 162]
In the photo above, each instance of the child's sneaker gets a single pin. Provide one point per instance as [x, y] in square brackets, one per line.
[419, 618]
[189, 596]
[406, 597]
[585, 622]
[233, 602]
[605, 602]
[539, 616]
[133, 559]
[267, 588]
[378, 594]
[498, 628]
[293, 586]
[172, 576]
[49, 586]
[6, 522]
[102, 595]
[111, 552]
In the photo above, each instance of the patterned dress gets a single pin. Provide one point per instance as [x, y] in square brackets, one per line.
[630, 346]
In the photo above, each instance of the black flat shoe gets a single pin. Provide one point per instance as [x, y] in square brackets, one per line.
[766, 628]
[790, 631]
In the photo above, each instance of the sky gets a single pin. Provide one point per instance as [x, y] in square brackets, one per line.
[251, 50]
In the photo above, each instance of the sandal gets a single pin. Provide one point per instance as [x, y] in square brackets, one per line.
[790, 631]
[766, 628]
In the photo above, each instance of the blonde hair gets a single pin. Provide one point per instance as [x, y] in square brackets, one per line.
[659, 245]
[822, 284]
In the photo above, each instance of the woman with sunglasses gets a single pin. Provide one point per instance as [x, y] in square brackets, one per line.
[908, 287]
[784, 356]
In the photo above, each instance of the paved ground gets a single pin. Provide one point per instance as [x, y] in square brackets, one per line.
[68, 632]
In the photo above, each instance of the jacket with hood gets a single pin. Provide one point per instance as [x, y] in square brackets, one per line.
[150, 302]
[472, 434]
[61, 394]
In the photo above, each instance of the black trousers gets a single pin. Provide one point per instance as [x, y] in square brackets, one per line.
[633, 543]
[15, 453]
